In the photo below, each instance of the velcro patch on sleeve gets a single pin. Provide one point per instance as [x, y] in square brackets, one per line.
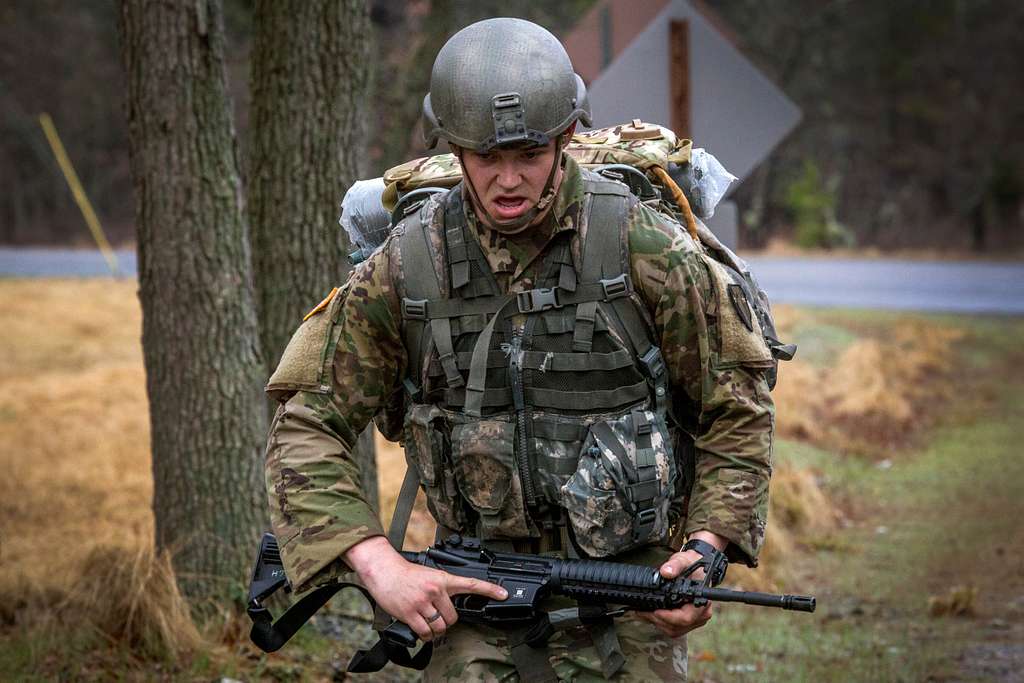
[741, 341]
[308, 358]
[322, 305]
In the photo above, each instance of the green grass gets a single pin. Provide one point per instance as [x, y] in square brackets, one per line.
[948, 514]
[951, 508]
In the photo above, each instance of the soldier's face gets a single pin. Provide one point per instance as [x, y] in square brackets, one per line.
[509, 182]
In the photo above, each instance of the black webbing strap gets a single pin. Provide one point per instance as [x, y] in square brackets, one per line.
[563, 466]
[645, 489]
[559, 431]
[492, 397]
[641, 487]
[564, 322]
[403, 508]
[546, 361]
[605, 257]
[384, 651]
[455, 244]
[531, 661]
[421, 282]
[457, 308]
[586, 400]
[583, 331]
[606, 642]
[476, 387]
[441, 333]
[270, 636]
[562, 259]
[529, 301]
[607, 437]
[468, 324]
[551, 398]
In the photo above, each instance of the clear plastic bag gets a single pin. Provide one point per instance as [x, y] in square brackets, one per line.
[705, 181]
[364, 218]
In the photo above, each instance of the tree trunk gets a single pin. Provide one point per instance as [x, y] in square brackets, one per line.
[310, 79]
[200, 338]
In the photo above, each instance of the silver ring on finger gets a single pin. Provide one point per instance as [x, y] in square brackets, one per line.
[435, 617]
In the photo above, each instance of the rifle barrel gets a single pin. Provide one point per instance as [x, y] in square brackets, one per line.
[798, 603]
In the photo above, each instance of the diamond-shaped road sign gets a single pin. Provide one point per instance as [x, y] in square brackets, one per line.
[730, 108]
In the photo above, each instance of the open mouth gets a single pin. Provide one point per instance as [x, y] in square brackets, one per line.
[509, 206]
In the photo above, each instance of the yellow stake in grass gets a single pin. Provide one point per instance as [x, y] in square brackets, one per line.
[76, 189]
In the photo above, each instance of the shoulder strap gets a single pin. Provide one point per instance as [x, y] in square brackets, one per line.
[606, 259]
[421, 282]
[604, 251]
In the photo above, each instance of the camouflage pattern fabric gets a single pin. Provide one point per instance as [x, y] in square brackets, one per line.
[638, 144]
[479, 654]
[317, 509]
[601, 515]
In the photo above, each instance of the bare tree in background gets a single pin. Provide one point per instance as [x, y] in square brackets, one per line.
[310, 83]
[204, 369]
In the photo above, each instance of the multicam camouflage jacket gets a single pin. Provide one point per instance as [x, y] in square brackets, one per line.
[348, 361]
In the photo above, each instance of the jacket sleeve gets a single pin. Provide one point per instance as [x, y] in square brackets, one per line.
[716, 368]
[340, 367]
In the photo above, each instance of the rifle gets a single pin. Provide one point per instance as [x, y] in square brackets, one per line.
[529, 579]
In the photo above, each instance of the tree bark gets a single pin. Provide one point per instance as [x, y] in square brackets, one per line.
[310, 82]
[201, 343]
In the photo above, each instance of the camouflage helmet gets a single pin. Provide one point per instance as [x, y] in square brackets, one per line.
[499, 82]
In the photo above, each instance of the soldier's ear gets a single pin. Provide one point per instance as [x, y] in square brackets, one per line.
[569, 132]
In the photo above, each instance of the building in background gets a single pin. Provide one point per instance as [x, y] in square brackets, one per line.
[674, 62]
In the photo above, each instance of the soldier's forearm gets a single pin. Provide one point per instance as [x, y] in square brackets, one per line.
[317, 507]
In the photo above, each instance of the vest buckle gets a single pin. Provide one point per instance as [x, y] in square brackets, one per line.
[653, 363]
[536, 300]
[414, 309]
[615, 287]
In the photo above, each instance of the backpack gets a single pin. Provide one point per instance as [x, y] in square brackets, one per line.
[649, 159]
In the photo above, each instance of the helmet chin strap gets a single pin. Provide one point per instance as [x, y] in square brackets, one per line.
[517, 225]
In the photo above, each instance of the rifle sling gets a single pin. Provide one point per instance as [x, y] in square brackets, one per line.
[403, 509]
[270, 636]
[531, 661]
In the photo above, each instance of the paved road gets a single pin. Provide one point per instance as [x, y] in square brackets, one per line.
[956, 287]
[62, 263]
[943, 286]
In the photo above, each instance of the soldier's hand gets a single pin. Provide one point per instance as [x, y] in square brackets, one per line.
[415, 595]
[676, 622]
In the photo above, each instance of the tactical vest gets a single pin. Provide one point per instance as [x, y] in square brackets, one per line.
[541, 409]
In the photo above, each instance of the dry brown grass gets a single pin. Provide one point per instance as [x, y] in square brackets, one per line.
[76, 527]
[74, 424]
[800, 513]
[130, 596]
[878, 394]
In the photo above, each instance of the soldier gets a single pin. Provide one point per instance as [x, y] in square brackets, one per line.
[572, 371]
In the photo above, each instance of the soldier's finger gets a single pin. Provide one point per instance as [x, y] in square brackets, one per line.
[675, 565]
[436, 623]
[670, 630]
[447, 610]
[462, 584]
[420, 627]
[686, 617]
